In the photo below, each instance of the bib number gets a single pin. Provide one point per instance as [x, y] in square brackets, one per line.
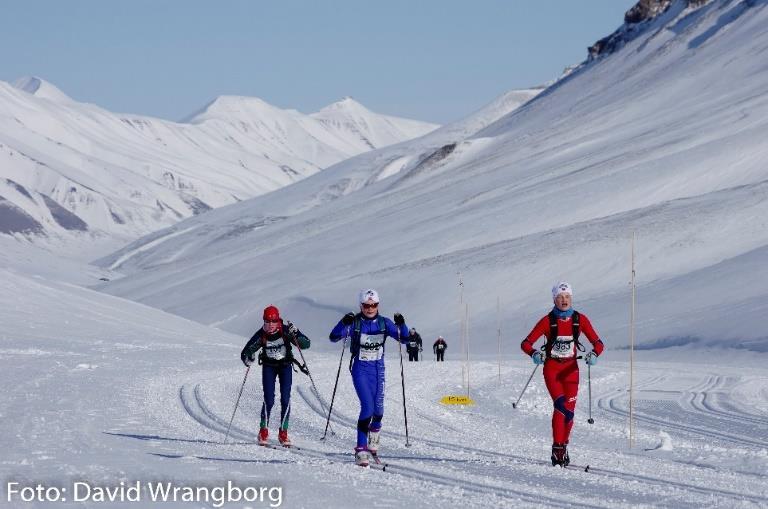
[275, 350]
[564, 347]
[371, 347]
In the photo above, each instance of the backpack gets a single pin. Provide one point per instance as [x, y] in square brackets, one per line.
[358, 325]
[264, 359]
[552, 334]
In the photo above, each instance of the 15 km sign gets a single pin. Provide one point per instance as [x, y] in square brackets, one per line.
[457, 400]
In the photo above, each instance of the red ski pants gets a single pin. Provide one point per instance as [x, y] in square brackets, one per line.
[562, 379]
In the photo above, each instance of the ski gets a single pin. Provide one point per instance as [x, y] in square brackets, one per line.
[376, 463]
[280, 446]
[571, 466]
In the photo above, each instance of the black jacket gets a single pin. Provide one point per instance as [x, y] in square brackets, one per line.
[414, 338]
[280, 344]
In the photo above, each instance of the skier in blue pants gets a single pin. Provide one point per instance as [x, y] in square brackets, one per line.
[368, 332]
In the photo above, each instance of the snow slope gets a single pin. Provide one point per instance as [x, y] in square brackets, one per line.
[664, 137]
[104, 391]
[69, 169]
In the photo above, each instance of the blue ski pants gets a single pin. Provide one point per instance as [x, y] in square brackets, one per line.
[368, 379]
[269, 374]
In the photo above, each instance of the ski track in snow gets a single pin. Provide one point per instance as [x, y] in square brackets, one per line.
[689, 415]
[481, 470]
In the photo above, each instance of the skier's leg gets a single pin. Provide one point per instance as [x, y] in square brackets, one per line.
[268, 375]
[570, 380]
[365, 387]
[286, 379]
[378, 408]
[557, 393]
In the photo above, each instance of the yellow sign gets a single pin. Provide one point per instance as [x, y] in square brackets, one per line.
[457, 400]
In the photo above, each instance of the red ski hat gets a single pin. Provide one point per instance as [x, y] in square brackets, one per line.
[271, 313]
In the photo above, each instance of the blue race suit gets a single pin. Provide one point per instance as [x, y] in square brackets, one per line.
[367, 347]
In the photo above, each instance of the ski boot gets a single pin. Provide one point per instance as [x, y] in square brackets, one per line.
[373, 444]
[282, 437]
[373, 441]
[362, 456]
[263, 435]
[560, 455]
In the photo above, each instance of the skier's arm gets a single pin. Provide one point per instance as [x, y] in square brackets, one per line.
[342, 329]
[539, 330]
[302, 340]
[298, 337]
[251, 347]
[392, 330]
[586, 327]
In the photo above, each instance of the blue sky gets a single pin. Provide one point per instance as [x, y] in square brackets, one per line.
[423, 59]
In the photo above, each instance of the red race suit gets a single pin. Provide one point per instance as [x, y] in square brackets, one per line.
[561, 370]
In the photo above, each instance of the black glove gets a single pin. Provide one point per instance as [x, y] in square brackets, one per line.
[348, 319]
[247, 359]
[293, 331]
[399, 320]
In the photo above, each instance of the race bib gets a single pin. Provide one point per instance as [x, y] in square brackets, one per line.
[275, 349]
[412, 344]
[564, 347]
[371, 347]
[440, 347]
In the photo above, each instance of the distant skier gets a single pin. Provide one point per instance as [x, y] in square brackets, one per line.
[368, 331]
[562, 327]
[439, 347]
[275, 339]
[414, 345]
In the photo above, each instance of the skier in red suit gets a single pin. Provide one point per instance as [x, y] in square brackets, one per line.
[562, 327]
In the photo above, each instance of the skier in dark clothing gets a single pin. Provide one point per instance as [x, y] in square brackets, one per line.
[439, 348]
[562, 327]
[414, 345]
[275, 340]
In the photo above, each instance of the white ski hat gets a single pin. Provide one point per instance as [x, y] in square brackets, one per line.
[369, 295]
[562, 287]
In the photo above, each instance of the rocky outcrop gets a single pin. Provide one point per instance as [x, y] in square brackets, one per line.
[635, 22]
[646, 9]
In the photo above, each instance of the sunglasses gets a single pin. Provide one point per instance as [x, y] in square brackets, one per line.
[370, 306]
[271, 321]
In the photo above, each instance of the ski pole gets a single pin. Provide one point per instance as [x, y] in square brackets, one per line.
[335, 385]
[514, 405]
[236, 404]
[314, 387]
[589, 380]
[402, 379]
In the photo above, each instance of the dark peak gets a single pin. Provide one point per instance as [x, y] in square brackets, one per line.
[646, 9]
[636, 20]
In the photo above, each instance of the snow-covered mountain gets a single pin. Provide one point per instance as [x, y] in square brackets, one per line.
[71, 167]
[664, 137]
